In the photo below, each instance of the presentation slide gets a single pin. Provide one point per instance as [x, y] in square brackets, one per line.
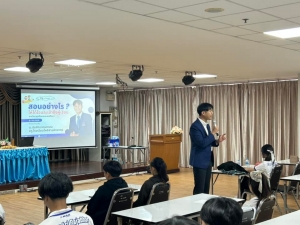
[58, 118]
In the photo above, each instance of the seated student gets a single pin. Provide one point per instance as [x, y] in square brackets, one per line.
[178, 220]
[54, 189]
[259, 185]
[159, 171]
[269, 160]
[221, 211]
[99, 203]
[266, 166]
[2, 215]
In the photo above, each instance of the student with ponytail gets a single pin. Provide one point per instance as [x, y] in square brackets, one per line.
[159, 171]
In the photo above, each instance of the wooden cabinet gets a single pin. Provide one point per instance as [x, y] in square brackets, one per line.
[166, 146]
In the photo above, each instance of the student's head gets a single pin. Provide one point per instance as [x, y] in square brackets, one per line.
[266, 152]
[205, 111]
[221, 211]
[112, 169]
[259, 185]
[159, 167]
[178, 220]
[77, 104]
[55, 186]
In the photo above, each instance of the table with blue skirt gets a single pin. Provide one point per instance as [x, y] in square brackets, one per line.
[23, 163]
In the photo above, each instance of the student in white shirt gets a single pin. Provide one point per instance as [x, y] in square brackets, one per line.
[259, 185]
[54, 189]
[266, 166]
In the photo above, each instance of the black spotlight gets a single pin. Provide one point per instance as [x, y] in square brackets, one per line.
[188, 77]
[35, 64]
[136, 72]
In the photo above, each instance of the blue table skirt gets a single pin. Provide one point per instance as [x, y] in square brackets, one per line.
[23, 163]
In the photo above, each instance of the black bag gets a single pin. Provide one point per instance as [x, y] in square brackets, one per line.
[232, 167]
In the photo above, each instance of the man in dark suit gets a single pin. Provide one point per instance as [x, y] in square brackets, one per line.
[81, 123]
[202, 141]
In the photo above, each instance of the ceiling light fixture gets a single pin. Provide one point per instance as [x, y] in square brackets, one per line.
[106, 83]
[17, 69]
[188, 77]
[75, 62]
[35, 64]
[136, 72]
[151, 80]
[286, 33]
[214, 10]
[204, 75]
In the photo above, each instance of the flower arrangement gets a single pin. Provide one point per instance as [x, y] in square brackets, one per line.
[5, 144]
[176, 130]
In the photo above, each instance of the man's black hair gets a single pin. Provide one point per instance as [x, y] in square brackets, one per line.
[113, 167]
[55, 185]
[221, 211]
[204, 107]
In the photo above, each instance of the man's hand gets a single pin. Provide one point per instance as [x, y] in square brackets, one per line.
[73, 134]
[222, 138]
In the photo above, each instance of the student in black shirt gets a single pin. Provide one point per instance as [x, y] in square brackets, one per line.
[99, 203]
[159, 171]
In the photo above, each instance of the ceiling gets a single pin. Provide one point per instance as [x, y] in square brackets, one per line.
[168, 37]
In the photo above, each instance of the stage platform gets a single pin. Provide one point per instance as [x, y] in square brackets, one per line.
[77, 171]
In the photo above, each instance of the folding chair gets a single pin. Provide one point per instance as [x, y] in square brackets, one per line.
[265, 209]
[293, 185]
[160, 192]
[274, 182]
[121, 200]
[248, 215]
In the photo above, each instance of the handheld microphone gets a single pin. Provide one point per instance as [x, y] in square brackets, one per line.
[215, 124]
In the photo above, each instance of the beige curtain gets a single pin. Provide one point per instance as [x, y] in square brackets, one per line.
[269, 115]
[250, 114]
[133, 110]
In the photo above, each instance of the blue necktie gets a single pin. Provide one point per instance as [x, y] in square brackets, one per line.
[78, 121]
[208, 129]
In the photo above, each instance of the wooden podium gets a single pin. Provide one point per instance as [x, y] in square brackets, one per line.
[167, 147]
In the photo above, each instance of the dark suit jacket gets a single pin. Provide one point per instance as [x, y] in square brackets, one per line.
[85, 127]
[201, 155]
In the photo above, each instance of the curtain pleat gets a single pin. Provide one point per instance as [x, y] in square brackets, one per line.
[251, 115]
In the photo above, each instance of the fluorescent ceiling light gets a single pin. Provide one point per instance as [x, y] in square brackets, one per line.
[106, 83]
[286, 33]
[17, 69]
[75, 62]
[203, 75]
[151, 80]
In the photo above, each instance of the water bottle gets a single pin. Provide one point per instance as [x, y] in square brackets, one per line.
[238, 162]
[247, 163]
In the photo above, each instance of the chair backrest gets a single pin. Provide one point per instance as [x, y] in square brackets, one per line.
[296, 172]
[248, 215]
[121, 200]
[265, 209]
[275, 177]
[160, 192]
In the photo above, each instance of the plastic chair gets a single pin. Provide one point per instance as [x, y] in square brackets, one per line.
[121, 200]
[265, 209]
[292, 187]
[160, 192]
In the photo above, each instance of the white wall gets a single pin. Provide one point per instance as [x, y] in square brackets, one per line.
[95, 153]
